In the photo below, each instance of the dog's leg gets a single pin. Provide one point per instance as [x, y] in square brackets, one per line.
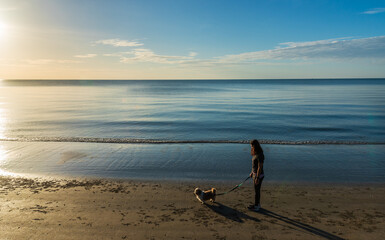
[199, 199]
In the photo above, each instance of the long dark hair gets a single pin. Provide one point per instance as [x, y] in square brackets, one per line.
[257, 147]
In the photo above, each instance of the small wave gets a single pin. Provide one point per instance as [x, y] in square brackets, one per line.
[160, 141]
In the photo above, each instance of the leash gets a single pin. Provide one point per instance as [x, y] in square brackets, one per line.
[234, 187]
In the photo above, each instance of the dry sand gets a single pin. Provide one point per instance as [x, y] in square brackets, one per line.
[101, 209]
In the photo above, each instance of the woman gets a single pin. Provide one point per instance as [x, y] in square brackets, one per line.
[257, 172]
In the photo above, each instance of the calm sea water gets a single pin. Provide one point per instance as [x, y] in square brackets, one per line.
[52, 127]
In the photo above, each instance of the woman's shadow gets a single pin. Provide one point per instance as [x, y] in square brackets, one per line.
[238, 216]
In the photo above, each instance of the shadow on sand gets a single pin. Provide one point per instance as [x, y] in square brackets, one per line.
[299, 225]
[230, 213]
[238, 216]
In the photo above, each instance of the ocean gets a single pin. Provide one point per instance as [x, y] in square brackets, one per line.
[326, 130]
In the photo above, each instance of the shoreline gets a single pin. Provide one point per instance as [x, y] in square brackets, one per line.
[171, 181]
[229, 183]
[75, 208]
[294, 164]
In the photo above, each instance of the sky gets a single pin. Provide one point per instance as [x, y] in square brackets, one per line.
[191, 39]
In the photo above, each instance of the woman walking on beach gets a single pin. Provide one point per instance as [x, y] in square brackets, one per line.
[256, 172]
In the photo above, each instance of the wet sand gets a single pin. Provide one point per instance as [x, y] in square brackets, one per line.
[106, 209]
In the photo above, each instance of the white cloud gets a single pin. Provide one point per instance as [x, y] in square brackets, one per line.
[116, 42]
[141, 54]
[112, 54]
[90, 55]
[374, 11]
[147, 55]
[284, 53]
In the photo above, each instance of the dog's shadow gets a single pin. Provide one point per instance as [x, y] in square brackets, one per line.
[230, 213]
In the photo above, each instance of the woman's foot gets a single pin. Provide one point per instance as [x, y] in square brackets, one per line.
[254, 207]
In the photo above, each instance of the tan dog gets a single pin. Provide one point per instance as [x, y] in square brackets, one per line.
[203, 196]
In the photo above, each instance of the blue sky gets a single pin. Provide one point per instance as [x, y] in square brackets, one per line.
[183, 39]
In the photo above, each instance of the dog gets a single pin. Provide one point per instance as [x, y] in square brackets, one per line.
[203, 196]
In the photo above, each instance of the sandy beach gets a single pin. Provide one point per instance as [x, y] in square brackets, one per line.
[107, 209]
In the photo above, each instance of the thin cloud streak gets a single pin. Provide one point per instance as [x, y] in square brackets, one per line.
[49, 61]
[147, 55]
[90, 55]
[374, 11]
[373, 47]
[116, 42]
[312, 43]
[7, 9]
[193, 54]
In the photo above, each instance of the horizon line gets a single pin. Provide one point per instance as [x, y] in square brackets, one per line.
[184, 79]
